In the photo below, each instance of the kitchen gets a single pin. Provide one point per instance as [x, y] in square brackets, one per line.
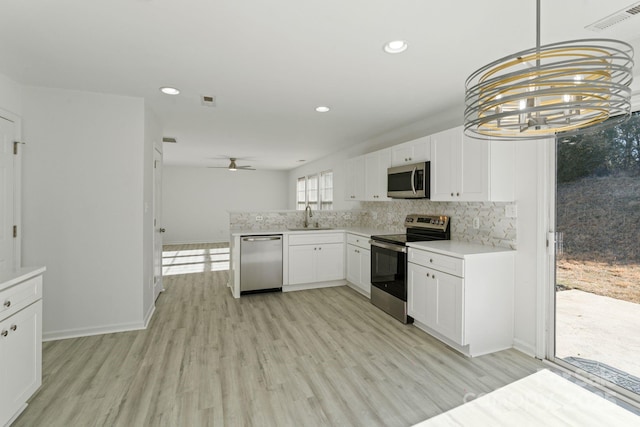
[73, 200]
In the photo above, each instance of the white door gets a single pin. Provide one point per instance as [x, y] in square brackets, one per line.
[7, 254]
[157, 224]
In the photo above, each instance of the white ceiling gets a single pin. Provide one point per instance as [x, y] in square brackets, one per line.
[270, 63]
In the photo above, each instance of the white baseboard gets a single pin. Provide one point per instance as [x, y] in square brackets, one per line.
[305, 286]
[149, 315]
[524, 347]
[85, 332]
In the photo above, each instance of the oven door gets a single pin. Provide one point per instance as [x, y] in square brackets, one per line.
[389, 268]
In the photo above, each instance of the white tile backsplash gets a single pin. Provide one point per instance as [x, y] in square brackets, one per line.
[496, 229]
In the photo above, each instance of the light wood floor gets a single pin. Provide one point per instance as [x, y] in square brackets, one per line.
[319, 357]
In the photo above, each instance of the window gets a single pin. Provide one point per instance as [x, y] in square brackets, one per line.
[316, 191]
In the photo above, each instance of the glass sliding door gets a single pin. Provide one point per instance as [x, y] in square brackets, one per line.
[597, 262]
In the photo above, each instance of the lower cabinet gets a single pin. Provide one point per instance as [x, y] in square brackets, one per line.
[435, 299]
[20, 353]
[359, 268]
[20, 343]
[465, 301]
[311, 262]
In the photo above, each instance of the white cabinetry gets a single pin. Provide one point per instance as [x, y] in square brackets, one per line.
[466, 169]
[418, 150]
[376, 165]
[20, 342]
[359, 263]
[316, 257]
[464, 300]
[355, 184]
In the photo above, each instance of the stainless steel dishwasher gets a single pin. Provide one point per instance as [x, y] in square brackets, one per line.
[260, 263]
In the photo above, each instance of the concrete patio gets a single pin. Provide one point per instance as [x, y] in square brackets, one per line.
[598, 328]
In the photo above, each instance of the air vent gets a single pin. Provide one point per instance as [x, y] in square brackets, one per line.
[208, 101]
[169, 139]
[615, 18]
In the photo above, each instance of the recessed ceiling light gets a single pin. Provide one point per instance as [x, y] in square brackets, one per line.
[396, 46]
[322, 109]
[169, 90]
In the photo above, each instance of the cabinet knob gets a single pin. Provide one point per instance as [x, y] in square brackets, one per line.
[4, 333]
[320, 249]
[458, 194]
[13, 327]
[7, 303]
[431, 260]
[162, 230]
[451, 194]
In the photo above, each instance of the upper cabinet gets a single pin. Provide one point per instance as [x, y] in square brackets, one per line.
[355, 179]
[418, 150]
[375, 167]
[466, 169]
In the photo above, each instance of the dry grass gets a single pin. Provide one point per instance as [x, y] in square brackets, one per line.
[619, 281]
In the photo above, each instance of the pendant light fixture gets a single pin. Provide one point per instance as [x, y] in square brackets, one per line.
[559, 87]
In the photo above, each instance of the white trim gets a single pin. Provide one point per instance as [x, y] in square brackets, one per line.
[149, 315]
[546, 164]
[17, 186]
[86, 332]
[524, 347]
[316, 285]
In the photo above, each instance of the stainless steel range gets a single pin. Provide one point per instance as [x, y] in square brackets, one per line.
[389, 261]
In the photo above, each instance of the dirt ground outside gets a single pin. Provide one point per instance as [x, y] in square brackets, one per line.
[619, 281]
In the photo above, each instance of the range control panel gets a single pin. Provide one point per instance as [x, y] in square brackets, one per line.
[432, 222]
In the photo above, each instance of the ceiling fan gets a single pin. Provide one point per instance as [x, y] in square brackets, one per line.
[233, 166]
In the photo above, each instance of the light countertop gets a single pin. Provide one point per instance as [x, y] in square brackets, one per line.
[362, 231]
[456, 248]
[13, 277]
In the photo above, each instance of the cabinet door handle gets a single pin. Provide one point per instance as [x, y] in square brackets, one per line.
[4, 333]
[7, 303]
[13, 327]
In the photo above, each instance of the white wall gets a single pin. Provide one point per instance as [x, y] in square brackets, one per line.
[10, 95]
[196, 201]
[529, 165]
[83, 192]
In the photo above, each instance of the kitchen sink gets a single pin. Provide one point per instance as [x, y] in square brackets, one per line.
[308, 228]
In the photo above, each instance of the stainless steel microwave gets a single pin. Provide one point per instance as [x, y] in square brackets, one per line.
[409, 181]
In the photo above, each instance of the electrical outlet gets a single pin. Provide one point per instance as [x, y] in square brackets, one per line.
[511, 211]
[259, 218]
[476, 223]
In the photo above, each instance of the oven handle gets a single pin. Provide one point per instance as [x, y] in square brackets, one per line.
[389, 246]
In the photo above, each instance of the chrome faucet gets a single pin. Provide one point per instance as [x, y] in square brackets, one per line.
[307, 210]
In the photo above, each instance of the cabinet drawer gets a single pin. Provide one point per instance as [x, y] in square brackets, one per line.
[358, 240]
[315, 238]
[19, 296]
[438, 262]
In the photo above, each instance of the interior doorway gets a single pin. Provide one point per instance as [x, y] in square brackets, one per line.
[597, 255]
[157, 223]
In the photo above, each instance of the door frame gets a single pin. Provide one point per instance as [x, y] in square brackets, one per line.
[17, 184]
[157, 223]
